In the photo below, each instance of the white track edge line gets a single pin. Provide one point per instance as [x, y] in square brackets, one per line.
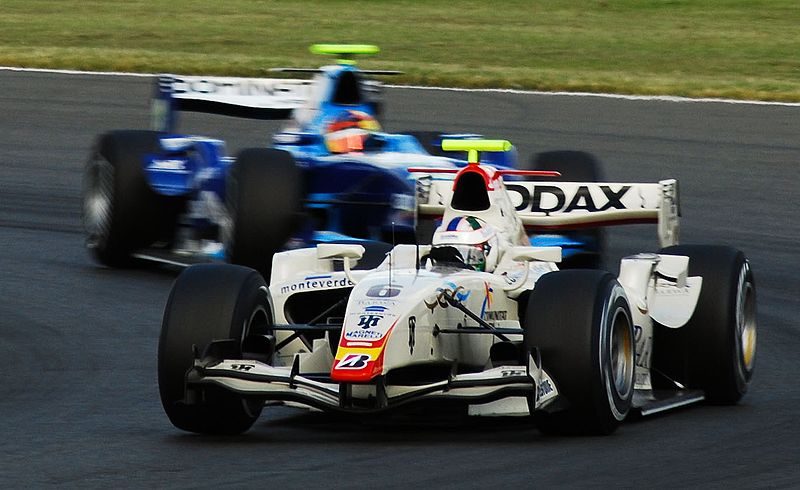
[659, 98]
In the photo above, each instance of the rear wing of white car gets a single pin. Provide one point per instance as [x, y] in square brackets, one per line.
[547, 207]
[254, 98]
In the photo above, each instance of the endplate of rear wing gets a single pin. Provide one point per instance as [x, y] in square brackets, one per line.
[254, 98]
[547, 207]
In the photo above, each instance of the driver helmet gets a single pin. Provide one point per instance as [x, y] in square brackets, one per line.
[349, 130]
[475, 241]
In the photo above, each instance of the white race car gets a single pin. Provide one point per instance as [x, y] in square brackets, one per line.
[479, 317]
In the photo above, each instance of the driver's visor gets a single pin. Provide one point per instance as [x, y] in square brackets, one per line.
[472, 255]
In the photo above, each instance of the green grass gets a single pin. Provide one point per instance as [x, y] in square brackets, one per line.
[718, 48]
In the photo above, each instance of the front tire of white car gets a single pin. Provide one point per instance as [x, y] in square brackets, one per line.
[209, 302]
[580, 321]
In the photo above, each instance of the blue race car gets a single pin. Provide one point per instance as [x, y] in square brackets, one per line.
[331, 174]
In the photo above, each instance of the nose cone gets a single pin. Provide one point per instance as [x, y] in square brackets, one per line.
[371, 316]
[375, 306]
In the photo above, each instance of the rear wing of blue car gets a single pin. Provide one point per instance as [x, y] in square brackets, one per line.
[254, 98]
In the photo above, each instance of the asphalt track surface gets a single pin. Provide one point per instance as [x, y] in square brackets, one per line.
[79, 403]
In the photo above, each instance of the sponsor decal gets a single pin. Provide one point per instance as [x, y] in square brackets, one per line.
[235, 86]
[505, 373]
[172, 166]
[644, 345]
[412, 325]
[384, 291]
[487, 300]
[316, 282]
[544, 389]
[363, 335]
[670, 290]
[495, 315]
[547, 199]
[353, 361]
[460, 293]
[369, 321]
[366, 303]
[242, 367]
[360, 360]
[375, 308]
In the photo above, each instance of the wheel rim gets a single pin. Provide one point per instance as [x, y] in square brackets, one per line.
[746, 319]
[621, 355]
[97, 202]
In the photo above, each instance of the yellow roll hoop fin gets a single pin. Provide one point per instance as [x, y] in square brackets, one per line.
[341, 50]
[472, 147]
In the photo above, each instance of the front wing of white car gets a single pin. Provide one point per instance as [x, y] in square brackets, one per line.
[261, 380]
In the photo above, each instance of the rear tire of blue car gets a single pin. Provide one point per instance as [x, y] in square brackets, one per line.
[263, 196]
[209, 302]
[121, 212]
[715, 351]
[576, 166]
[580, 322]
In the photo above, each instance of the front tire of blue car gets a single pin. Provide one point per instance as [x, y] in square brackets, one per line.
[580, 322]
[121, 212]
[209, 302]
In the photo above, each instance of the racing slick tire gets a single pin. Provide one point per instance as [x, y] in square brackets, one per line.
[715, 351]
[121, 212]
[209, 302]
[581, 324]
[263, 200]
[575, 166]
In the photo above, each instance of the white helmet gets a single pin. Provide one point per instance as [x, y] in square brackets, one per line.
[475, 241]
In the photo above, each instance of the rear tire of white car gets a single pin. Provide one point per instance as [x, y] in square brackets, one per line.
[209, 302]
[121, 212]
[263, 194]
[580, 321]
[715, 351]
[575, 166]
